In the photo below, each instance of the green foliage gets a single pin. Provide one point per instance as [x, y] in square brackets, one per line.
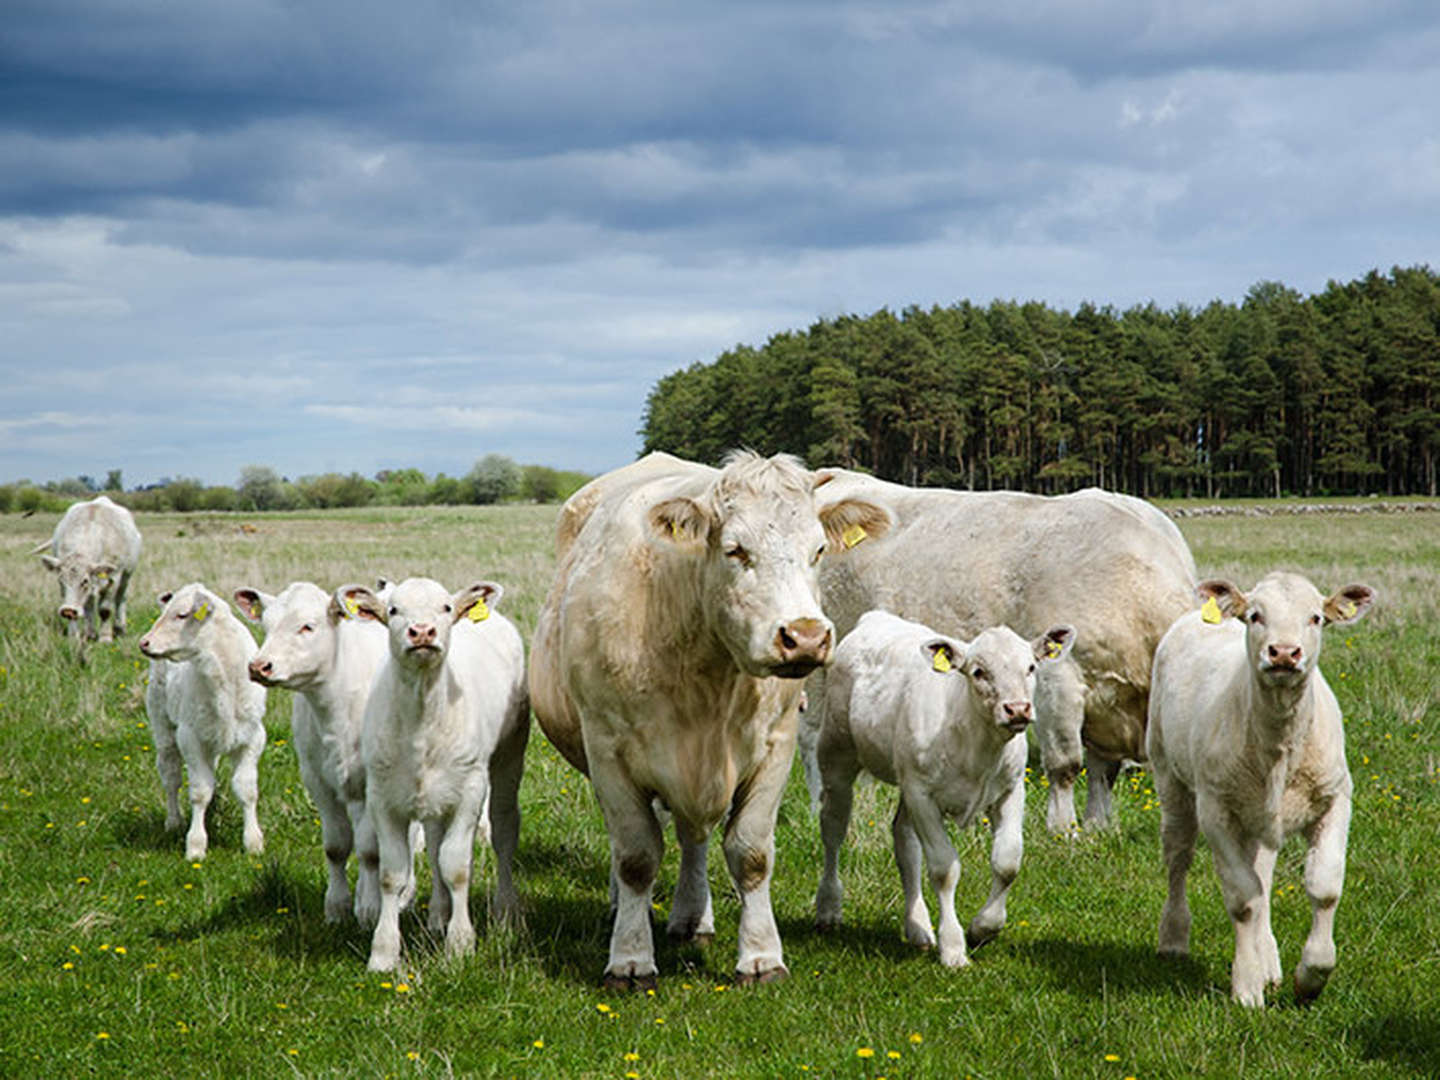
[493, 479]
[1334, 393]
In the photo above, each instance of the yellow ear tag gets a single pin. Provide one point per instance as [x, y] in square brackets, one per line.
[102, 577]
[942, 660]
[352, 606]
[479, 613]
[1053, 650]
[1210, 611]
[853, 535]
[254, 611]
[202, 612]
[1347, 609]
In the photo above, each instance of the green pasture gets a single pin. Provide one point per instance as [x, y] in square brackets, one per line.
[118, 957]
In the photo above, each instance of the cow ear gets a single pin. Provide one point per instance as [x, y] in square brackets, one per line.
[164, 598]
[51, 563]
[1349, 604]
[943, 654]
[103, 569]
[360, 603]
[474, 603]
[822, 477]
[1054, 643]
[853, 521]
[1220, 599]
[680, 521]
[251, 602]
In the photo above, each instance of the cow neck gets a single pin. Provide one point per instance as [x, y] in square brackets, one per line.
[418, 689]
[1279, 717]
[219, 681]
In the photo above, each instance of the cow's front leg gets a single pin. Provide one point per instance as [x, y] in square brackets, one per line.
[944, 866]
[245, 783]
[750, 855]
[1059, 716]
[1265, 937]
[1234, 856]
[908, 860]
[201, 772]
[392, 834]
[1007, 844]
[454, 855]
[118, 623]
[636, 844]
[692, 915]
[1324, 880]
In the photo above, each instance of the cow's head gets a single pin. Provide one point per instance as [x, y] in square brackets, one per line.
[1283, 617]
[185, 614]
[420, 614]
[998, 668]
[81, 581]
[300, 626]
[759, 539]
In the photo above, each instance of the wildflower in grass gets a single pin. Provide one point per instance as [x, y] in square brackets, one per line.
[893, 1055]
[632, 1075]
[1112, 1057]
[411, 1055]
[387, 986]
[120, 950]
[67, 966]
[865, 1052]
[282, 911]
[916, 1038]
[402, 988]
[84, 799]
[102, 1034]
[659, 1020]
[631, 1055]
[602, 1007]
[539, 1044]
[75, 949]
[82, 880]
[293, 1052]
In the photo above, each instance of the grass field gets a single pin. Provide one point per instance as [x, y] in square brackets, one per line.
[121, 958]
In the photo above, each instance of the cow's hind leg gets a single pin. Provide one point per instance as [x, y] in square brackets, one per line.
[692, 913]
[1059, 717]
[636, 844]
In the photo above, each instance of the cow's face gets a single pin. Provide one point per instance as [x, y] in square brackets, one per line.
[760, 540]
[1283, 617]
[81, 582]
[184, 614]
[420, 615]
[998, 669]
[300, 626]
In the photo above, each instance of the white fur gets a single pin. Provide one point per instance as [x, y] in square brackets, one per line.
[202, 706]
[949, 740]
[94, 551]
[1246, 744]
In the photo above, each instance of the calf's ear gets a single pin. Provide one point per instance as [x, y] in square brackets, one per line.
[475, 601]
[360, 603]
[853, 521]
[944, 655]
[1349, 604]
[680, 521]
[1054, 643]
[251, 602]
[51, 563]
[1220, 599]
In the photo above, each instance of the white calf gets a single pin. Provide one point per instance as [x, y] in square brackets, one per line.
[444, 734]
[202, 706]
[313, 647]
[941, 720]
[1246, 744]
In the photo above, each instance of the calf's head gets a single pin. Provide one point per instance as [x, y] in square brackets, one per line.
[420, 615]
[184, 616]
[300, 626]
[999, 670]
[758, 539]
[1283, 617]
[80, 581]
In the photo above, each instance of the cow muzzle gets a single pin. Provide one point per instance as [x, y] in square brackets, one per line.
[262, 671]
[1015, 716]
[70, 612]
[802, 646]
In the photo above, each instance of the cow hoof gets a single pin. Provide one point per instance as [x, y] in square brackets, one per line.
[701, 939]
[624, 984]
[762, 978]
[827, 926]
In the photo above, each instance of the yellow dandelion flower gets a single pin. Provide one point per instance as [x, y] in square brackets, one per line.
[411, 1055]
[387, 986]
[1112, 1057]
[631, 1055]
[865, 1052]
[402, 988]
[602, 1007]
[120, 950]
[539, 1044]
[293, 1052]
[893, 1055]
[916, 1038]
[659, 1020]
[68, 966]
[102, 1034]
[632, 1075]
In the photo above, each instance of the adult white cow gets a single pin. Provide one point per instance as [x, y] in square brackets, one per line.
[941, 720]
[667, 664]
[1113, 566]
[314, 647]
[1246, 744]
[93, 552]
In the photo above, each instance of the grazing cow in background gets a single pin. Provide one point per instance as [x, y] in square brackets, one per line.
[202, 707]
[667, 664]
[1113, 566]
[314, 647]
[93, 552]
[444, 737]
[1246, 744]
[942, 721]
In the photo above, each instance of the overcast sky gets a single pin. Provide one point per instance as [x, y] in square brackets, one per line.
[347, 235]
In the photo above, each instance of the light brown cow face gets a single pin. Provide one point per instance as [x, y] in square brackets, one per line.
[183, 616]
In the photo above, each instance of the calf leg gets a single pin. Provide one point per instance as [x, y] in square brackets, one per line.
[118, 623]
[200, 768]
[907, 861]
[1269, 950]
[1099, 806]
[338, 837]
[838, 769]
[245, 783]
[1244, 894]
[1324, 879]
[367, 855]
[1059, 717]
[692, 913]
[1007, 844]
[169, 766]
[944, 866]
[454, 856]
[439, 895]
[1178, 827]
[392, 835]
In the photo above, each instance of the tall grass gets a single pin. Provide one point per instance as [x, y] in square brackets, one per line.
[119, 956]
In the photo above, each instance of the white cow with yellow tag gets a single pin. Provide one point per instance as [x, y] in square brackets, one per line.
[203, 706]
[960, 561]
[443, 739]
[941, 720]
[93, 553]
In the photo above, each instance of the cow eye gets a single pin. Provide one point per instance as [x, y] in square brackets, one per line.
[1256, 618]
[394, 610]
[1314, 620]
[308, 628]
[738, 553]
[447, 609]
[819, 552]
[978, 673]
[1030, 670]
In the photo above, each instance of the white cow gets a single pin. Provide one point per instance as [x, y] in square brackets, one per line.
[942, 721]
[444, 737]
[1246, 744]
[1113, 566]
[93, 552]
[667, 664]
[202, 707]
[314, 647]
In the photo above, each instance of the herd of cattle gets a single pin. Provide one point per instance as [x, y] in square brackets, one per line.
[670, 662]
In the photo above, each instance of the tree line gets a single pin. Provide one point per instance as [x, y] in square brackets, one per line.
[1333, 393]
[493, 478]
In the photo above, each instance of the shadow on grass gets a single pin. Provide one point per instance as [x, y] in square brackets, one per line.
[1100, 969]
[1406, 1039]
